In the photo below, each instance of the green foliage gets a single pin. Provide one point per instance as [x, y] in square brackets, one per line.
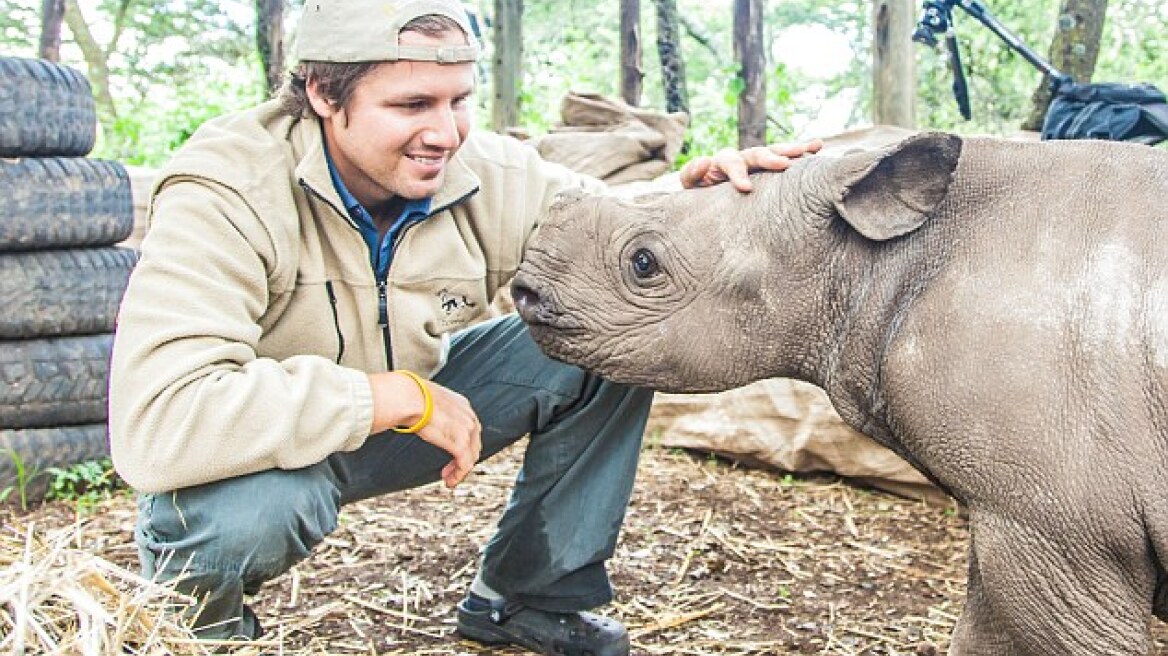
[573, 46]
[179, 62]
[1135, 38]
[713, 125]
[174, 64]
[781, 102]
[24, 475]
[653, 438]
[1001, 82]
[532, 116]
[152, 127]
[16, 36]
[85, 484]
[568, 46]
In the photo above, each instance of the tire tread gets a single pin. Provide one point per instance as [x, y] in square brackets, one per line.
[46, 110]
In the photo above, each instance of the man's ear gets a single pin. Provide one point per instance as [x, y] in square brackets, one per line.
[890, 192]
[323, 107]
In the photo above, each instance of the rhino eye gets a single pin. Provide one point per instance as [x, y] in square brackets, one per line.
[644, 263]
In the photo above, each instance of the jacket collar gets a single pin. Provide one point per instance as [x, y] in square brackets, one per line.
[312, 170]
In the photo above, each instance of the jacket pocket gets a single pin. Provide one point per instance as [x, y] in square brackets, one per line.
[332, 297]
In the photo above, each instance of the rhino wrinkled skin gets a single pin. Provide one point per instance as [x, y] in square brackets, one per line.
[996, 312]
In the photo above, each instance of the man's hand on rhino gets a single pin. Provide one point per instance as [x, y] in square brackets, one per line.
[737, 165]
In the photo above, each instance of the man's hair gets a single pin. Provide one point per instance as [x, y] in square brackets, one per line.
[336, 81]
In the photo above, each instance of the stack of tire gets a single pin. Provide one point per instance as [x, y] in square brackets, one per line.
[61, 275]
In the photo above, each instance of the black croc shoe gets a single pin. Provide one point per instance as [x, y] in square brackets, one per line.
[543, 632]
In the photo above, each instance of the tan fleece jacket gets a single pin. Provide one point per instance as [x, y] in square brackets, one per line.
[249, 323]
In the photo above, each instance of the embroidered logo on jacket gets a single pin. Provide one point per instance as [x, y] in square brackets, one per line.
[456, 308]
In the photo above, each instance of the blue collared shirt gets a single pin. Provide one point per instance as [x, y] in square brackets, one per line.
[380, 248]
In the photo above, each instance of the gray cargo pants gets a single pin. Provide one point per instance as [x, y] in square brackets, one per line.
[227, 538]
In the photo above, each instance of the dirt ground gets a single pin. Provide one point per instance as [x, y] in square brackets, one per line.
[715, 558]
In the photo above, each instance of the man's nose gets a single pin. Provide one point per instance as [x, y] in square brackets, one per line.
[442, 131]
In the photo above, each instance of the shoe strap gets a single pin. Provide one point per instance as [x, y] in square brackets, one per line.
[502, 610]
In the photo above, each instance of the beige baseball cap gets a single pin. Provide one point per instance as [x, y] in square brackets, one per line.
[367, 30]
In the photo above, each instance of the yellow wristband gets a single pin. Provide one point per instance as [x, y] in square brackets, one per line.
[429, 400]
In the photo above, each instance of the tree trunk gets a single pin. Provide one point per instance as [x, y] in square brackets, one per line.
[508, 64]
[1073, 51]
[669, 52]
[96, 63]
[270, 42]
[751, 57]
[894, 63]
[52, 15]
[631, 74]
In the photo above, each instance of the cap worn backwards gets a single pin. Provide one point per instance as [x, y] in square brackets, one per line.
[367, 30]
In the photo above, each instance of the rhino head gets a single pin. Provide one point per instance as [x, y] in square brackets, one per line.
[709, 289]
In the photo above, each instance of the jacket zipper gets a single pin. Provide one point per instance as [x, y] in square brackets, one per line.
[382, 303]
[328, 286]
[382, 292]
[382, 300]
[383, 320]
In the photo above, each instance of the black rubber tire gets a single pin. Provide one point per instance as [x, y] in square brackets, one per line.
[58, 381]
[67, 292]
[46, 110]
[58, 202]
[38, 449]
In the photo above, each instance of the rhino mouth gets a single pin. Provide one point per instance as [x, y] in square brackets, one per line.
[557, 333]
[539, 308]
[563, 344]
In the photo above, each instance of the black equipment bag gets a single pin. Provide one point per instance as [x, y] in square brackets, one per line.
[1111, 111]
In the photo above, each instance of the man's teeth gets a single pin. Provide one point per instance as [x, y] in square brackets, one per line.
[426, 160]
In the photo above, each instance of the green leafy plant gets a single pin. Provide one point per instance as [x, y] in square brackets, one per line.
[653, 438]
[156, 124]
[531, 116]
[24, 475]
[85, 484]
[714, 121]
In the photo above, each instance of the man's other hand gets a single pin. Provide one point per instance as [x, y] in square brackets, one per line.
[737, 165]
[453, 427]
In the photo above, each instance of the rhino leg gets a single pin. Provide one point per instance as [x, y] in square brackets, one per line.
[1030, 594]
[978, 631]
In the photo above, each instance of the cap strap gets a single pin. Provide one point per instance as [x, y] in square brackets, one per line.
[440, 54]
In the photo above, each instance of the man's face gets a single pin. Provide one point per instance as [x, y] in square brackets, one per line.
[403, 123]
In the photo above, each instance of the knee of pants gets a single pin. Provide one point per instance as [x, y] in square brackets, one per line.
[257, 525]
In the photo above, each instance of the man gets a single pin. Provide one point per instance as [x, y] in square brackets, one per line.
[307, 327]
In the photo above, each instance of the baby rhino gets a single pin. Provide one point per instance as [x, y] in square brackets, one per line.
[996, 312]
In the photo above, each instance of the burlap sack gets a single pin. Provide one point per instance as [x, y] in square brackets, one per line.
[608, 139]
[782, 424]
[599, 154]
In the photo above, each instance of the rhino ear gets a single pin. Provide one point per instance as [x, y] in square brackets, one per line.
[890, 192]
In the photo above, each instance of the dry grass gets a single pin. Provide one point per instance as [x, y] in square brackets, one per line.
[714, 559]
[59, 598]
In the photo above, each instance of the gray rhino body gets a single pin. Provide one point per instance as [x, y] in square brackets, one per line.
[995, 312]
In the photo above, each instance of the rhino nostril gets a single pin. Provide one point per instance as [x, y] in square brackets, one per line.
[526, 299]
